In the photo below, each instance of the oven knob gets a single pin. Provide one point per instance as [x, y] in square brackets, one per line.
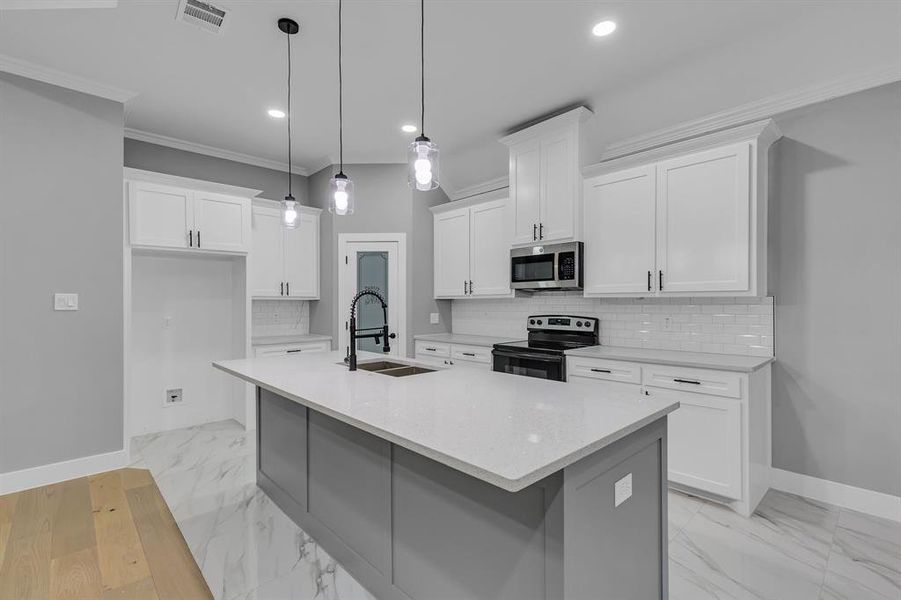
[531, 321]
[578, 323]
[587, 324]
[539, 321]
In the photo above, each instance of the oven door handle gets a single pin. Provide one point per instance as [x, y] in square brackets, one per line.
[528, 355]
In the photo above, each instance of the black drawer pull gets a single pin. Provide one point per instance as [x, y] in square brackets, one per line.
[692, 381]
[468, 353]
[600, 370]
[295, 350]
[432, 349]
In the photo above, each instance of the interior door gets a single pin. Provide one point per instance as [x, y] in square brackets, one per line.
[372, 266]
[558, 188]
[302, 258]
[489, 249]
[222, 222]
[620, 233]
[452, 254]
[525, 190]
[703, 221]
[159, 215]
[266, 256]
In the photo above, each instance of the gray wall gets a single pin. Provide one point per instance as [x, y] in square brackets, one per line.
[835, 256]
[384, 204]
[161, 159]
[61, 214]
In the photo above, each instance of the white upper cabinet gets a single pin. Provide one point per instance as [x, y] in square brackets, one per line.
[620, 233]
[284, 263]
[545, 179]
[692, 214]
[472, 249]
[703, 221]
[161, 215]
[221, 222]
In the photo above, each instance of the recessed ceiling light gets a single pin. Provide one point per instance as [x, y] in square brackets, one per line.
[603, 28]
[276, 113]
[408, 128]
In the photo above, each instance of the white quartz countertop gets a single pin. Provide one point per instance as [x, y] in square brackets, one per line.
[462, 338]
[507, 430]
[677, 358]
[296, 338]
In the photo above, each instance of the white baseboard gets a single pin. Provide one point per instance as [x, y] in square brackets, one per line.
[847, 496]
[16, 481]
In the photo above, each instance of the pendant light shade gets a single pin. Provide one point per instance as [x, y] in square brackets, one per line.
[341, 188]
[422, 156]
[289, 205]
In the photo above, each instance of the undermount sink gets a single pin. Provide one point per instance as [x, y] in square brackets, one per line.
[394, 369]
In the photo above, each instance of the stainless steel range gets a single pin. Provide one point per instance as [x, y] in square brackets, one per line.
[542, 354]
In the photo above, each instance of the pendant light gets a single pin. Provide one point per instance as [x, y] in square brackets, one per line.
[422, 158]
[341, 189]
[289, 205]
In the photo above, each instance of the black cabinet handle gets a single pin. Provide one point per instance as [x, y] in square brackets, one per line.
[534, 232]
[190, 238]
[198, 238]
[691, 381]
[470, 287]
[287, 288]
[467, 353]
[281, 288]
[432, 349]
[295, 350]
[541, 231]
[649, 281]
[601, 370]
[661, 281]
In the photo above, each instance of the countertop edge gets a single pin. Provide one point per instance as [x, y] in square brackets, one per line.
[510, 485]
[688, 363]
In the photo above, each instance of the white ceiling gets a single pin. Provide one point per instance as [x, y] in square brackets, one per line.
[491, 64]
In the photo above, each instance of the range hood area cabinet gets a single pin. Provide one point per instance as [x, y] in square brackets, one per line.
[472, 249]
[545, 179]
[169, 216]
[284, 263]
[683, 220]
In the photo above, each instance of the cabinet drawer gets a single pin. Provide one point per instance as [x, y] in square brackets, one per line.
[699, 381]
[433, 349]
[479, 354]
[279, 349]
[611, 370]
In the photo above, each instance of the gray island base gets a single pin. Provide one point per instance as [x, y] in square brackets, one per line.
[408, 527]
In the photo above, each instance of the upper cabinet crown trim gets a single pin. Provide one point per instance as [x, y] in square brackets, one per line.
[534, 130]
[765, 132]
[186, 182]
[502, 194]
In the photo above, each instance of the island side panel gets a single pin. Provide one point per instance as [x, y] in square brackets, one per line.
[619, 549]
[282, 444]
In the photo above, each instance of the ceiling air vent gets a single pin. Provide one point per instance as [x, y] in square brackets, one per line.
[201, 14]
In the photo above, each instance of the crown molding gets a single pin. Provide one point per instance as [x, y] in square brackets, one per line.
[477, 189]
[23, 68]
[757, 110]
[132, 174]
[178, 144]
[569, 118]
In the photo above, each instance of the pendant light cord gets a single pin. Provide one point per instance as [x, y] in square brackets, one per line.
[289, 116]
[422, 65]
[340, 90]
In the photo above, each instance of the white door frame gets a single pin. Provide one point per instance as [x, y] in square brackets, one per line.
[399, 328]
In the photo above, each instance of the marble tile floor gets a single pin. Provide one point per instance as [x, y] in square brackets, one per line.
[247, 549]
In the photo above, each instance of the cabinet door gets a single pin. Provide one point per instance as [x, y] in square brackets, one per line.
[619, 233]
[222, 222]
[558, 188]
[266, 255]
[489, 249]
[605, 388]
[704, 442]
[703, 221]
[302, 258]
[451, 253]
[159, 215]
[525, 191]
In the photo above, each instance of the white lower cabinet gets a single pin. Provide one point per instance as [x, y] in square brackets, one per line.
[296, 348]
[453, 355]
[718, 439]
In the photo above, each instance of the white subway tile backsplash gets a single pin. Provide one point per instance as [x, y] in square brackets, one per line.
[281, 317]
[720, 325]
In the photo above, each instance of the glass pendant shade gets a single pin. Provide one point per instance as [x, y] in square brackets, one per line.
[422, 170]
[289, 213]
[341, 195]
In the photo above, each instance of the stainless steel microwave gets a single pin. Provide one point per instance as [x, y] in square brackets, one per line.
[547, 267]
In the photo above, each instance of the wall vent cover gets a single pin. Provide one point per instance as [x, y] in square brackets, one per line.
[201, 14]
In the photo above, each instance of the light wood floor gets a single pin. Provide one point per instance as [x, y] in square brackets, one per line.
[101, 537]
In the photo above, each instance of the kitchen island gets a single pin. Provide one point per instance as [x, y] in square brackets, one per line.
[466, 483]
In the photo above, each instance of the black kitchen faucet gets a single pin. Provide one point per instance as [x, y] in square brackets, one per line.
[376, 333]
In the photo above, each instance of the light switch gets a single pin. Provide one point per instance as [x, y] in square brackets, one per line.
[65, 301]
[622, 490]
[433, 318]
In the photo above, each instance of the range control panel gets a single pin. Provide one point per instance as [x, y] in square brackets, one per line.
[562, 323]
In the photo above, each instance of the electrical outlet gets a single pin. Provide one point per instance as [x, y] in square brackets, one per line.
[173, 397]
[622, 490]
[433, 318]
[667, 323]
[65, 301]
